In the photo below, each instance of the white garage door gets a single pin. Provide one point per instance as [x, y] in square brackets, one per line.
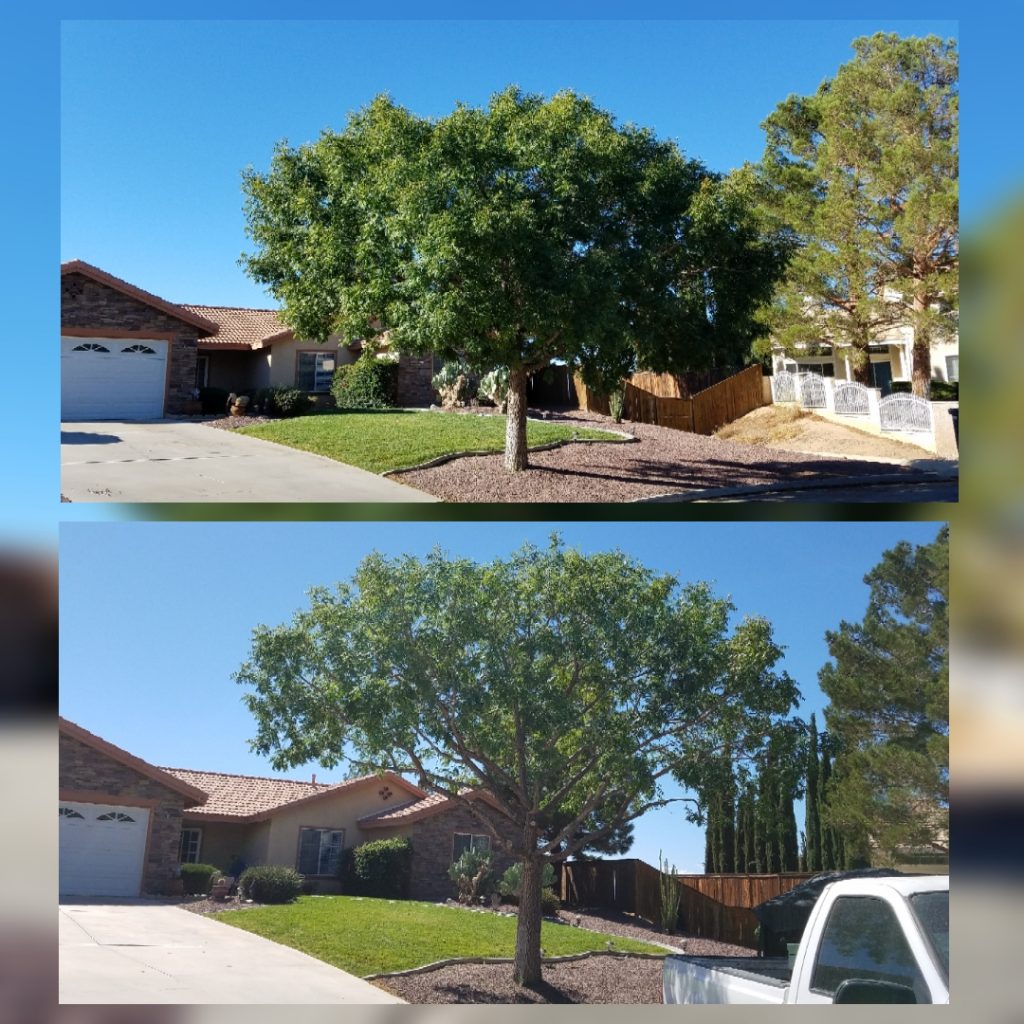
[112, 378]
[102, 847]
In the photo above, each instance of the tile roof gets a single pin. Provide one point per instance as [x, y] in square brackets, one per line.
[248, 797]
[433, 803]
[238, 327]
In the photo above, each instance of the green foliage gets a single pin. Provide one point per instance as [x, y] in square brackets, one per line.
[214, 400]
[510, 885]
[616, 398]
[550, 904]
[812, 841]
[382, 867]
[453, 384]
[863, 174]
[494, 387]
[282, 402]
[269, 884]
[528, 230]
[368, 383]
[197, 879]
[668, 887]
[939, 391]
[502, 674]
[473, 875]
[888, 712]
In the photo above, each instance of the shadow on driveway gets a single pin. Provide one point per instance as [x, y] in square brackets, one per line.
[85, 437]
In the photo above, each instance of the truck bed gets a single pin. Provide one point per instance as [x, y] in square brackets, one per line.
[726, 979]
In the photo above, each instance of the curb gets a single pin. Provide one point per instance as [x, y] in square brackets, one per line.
[568, 958]
[832, 483]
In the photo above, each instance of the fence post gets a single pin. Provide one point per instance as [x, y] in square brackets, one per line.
[874, 414]
[830, 394]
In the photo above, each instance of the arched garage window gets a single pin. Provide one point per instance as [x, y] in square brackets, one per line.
[114, 816]
[69, 812]
[90, 346]
[141, 349]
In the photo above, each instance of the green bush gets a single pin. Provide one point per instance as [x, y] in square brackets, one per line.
[550, 904]
[940, 390]
[214, 400]
[510, 885]
[380, 868]
[473, 876]
[368, 383]
[270, 884]
[283, 402]
[197, 879]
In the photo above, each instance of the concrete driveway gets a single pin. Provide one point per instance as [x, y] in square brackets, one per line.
[172, 460]
[139, 952]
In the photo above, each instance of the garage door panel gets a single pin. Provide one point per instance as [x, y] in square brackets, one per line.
[112, 378]
[102, 849]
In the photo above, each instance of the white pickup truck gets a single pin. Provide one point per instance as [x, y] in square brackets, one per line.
[868, 940]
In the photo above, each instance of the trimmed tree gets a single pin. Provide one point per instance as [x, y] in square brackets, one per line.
[865, 174]
[562, 683]
[510, 236]
[812, 826]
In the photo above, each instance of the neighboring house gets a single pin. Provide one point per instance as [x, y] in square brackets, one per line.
[235, 820]
[129, 354]
[891, 359]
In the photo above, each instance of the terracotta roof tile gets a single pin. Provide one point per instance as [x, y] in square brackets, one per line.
[251, 797]
[238, 327]
[433, 803]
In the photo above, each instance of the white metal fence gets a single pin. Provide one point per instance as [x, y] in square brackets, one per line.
[852, 399]
[812, 390]
[905, 413]
[784, 387]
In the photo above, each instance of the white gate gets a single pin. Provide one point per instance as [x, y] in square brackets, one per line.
[851, 399]
[812, 390]
[906, 413]
[783, 387]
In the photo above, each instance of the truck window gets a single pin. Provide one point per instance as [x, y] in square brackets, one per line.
[932, 910]
[863, 939]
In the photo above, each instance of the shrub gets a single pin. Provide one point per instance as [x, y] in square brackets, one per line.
[669, 887]
[510, 885]
[283, 402]
[452, 384]
[197, 879]
[616, 400]
[381, 868]
[213, 400]
[938, 391]
[473, 876]
[550, 904]
[494, 387]
[270, 884]
[368, 383]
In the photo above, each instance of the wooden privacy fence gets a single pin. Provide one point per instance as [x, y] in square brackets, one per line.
[711, 906]
[658, 398]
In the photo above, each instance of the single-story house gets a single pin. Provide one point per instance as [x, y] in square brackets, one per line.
[127, 825]
[128, 354]
[891, 359]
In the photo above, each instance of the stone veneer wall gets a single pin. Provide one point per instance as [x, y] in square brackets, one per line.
[414, 376]
[84, 768]
[432, 840]
[86, 303]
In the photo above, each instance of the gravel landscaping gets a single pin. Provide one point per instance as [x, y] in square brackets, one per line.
[664, 461]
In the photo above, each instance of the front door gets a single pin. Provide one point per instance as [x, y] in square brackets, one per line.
[881, 373]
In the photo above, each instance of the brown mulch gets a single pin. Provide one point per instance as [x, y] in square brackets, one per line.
[234, 422]
[205, 905]
[664, 461]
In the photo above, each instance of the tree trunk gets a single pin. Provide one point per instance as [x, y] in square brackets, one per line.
[526, 968]
[860, 364]
[921, 375]
[515, 424]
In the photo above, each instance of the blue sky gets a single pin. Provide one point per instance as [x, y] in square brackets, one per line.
[155, 618]
[160, 117]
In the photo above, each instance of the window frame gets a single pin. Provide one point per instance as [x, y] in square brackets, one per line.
[472, 845]
[317, 354]
[952, 378]
[199, 844]
[320, 851]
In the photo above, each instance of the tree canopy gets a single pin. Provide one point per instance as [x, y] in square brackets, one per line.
[888, 712]
[567, 685]
[528, 231]
[865, 175]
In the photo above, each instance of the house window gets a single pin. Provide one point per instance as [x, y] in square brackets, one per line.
[822, 369]
[319, 850]
[202, 370]
[315, 371]
[463, 841]
[188, 845]
[952, 368]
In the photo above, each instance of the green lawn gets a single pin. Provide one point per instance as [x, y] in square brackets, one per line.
[381, 441]
[367, 936]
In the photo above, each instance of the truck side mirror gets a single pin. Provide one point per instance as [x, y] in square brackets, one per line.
[867, 990]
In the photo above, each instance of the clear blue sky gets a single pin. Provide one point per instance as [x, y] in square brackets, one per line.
[155, 618]
[159, 118]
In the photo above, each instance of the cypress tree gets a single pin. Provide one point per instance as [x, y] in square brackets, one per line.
[813, 822]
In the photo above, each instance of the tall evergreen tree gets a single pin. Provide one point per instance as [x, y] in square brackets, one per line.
[865, 173]
[813, 816]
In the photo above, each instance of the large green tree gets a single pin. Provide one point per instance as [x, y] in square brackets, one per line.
[888, 713]
[865, 174]
[567, 685]
[528, 231]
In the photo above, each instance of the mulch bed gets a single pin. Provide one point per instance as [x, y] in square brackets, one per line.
[664, 461]
[234, 422]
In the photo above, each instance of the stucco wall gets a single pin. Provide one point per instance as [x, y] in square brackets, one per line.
[284, 358]
[239, 371]
[86, 304]
[224, 842]
[84, 770]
